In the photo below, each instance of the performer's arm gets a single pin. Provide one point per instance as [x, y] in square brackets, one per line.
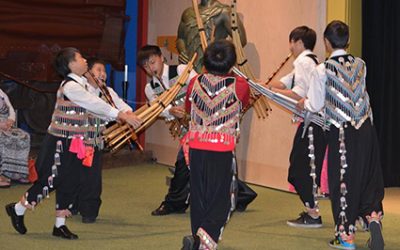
[284, 83]
[188, 103]
[302, 73]
[315, 100]
[151, 96]
[78, 95]
[242, 91]
[94, 104]
[121, 105]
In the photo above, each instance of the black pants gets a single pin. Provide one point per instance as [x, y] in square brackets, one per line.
[177, 198]
[363, 176]
[88, 200]
[210, 183]
[299, 169]
[179, 189]
[66, 182]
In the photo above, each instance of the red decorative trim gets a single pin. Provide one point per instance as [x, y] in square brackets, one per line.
[143, 21]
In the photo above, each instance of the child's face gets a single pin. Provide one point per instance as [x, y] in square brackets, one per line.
[154, 66]
[296, 47]
[99, 71]
[78, 65]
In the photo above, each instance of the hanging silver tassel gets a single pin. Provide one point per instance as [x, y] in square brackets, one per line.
[57, 159]
[54, 172]
[46, 192]
[39, 198]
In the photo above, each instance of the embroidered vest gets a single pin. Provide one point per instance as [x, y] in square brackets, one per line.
[69, 120]
[172, 78]
[347, 99]
[215, 112]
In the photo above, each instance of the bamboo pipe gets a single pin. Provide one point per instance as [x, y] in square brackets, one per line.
[202, 33]
[148, 114]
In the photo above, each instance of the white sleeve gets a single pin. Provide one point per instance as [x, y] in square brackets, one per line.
[121, 105]
[181, 68]
[287, 80]
[151, 96]
[302, 79]
[94, 104]
[315, 100]
[149, 92]
[11, 111]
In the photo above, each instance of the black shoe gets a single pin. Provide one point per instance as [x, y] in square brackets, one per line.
[64, 232]
[305, 220]
[376, 241]
[245, 196]
[163, 210]
[188, 242]
[88, 220]
[16, 220]
[240, 208]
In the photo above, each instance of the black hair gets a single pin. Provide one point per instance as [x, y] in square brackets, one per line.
[146, 52]
[93, 60]
[306, 35]
[337, 33]
[62, 60]
[219, 57]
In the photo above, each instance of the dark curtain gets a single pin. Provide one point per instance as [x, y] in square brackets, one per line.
[32, 31]
[381, 51]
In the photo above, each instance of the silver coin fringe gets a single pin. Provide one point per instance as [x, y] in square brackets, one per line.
[340, 228]
[54, 173]
[313, 172]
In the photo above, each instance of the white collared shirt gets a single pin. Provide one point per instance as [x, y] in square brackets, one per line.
[151, 95]
[78, 93]
[303, 66]
[316, 94]
[119, 103]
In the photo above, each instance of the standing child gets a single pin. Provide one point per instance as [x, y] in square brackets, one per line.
[163, 77]
[214, 101]
[88, 199]
[307, 153]
[355, 175]
[69, 144]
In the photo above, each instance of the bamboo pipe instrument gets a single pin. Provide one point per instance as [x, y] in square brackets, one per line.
[121, 134]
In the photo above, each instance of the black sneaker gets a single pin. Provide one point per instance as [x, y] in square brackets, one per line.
[306, 221]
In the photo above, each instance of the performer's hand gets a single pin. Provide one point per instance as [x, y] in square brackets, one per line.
[130, 118]
[133, 120]
[269, 86]
[300, 104]
[3, 125]
[10, 123]
[6, 125]
[177, 111]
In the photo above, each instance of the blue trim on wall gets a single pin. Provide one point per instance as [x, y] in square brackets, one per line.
[130, 54]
